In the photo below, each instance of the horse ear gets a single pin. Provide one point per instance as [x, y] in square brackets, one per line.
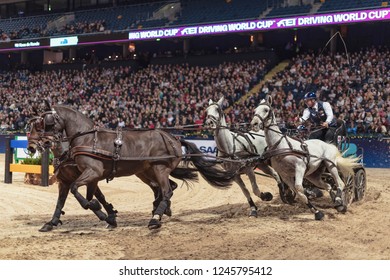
[210, 102]
[35, 110]
[47, 104]
[220, 101]
[269, 99]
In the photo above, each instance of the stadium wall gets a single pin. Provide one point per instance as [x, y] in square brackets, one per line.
[376, 152]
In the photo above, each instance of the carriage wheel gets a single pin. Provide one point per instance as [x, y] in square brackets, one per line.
[360, 184]
[349, 190]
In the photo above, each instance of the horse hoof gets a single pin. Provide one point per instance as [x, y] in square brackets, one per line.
[266, 196]
[111, 220]
[319, 216]
[154, 224]
[94, 205]
[338, 202]
[111, 226]
[253, 214]
[341, 209]
[46, 227]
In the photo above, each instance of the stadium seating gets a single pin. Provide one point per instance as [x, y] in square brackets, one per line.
[289, 11]
[336, 5]
[206, 11]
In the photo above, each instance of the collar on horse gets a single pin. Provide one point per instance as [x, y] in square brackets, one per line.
[272, 151]
[252, 150]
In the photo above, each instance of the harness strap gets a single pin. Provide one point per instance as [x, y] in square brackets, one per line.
[268, 154]
[106, 155]
[116, 156]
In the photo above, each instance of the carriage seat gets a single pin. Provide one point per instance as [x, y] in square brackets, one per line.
[340, 132]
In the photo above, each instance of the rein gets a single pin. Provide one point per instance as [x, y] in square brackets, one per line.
[273, 151]
[217, 121]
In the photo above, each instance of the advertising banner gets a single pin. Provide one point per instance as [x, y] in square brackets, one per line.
[264, 24]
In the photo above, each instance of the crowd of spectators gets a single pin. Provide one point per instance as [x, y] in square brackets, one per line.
[157, 96]
[358, 89]
[176, 95]
[38, 31]
[80, 27]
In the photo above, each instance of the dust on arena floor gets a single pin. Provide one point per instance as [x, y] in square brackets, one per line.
[207, 223]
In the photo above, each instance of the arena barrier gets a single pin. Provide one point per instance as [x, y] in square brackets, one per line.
[9, 167]
[376, 155]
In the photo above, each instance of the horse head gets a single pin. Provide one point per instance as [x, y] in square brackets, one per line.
[49, 117]
[214, 114]
[263, 116]
[60, 119]
[37, 140]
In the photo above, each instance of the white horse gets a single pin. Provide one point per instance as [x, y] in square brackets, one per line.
[235, 145]
[295, 160]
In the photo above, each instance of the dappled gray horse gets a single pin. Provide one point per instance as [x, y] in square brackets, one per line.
[235, 145]
[295, 160]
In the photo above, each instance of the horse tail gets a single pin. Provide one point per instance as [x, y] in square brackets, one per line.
[347, 164]
[210, 170]
[185, 174]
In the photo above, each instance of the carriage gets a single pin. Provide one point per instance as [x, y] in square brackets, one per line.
[325, 165]
[92, 147]
[356, 184]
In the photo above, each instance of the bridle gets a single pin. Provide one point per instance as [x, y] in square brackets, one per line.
[215, 120]
[49, 119]
[40, 137]
[269, 115]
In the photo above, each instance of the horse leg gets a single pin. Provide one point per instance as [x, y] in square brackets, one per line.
[285, 192]
[88, 175]
[313, 191]
[253, 207]
[168, 211]
[157, 192]
[299, 190]
[94, 205]
[111, 218]
[158, 199]
[161, 174]
[339, 197]
[270, 171]
[316, 179]
[63, 190]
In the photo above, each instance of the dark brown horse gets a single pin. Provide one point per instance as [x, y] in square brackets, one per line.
[66, 175]
[151, 155]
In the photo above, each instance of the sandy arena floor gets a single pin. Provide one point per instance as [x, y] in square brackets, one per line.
[207, 223]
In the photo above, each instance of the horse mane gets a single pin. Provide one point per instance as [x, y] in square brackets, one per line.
[81, 115]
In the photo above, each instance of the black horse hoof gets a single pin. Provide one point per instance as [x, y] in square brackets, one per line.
[266, 196]
[94, 205]
[111, 226]
[46, 227]
[288, 198]
[319, 216]
[111, 220]
[341, 208]
[253, 214]
[154, 224]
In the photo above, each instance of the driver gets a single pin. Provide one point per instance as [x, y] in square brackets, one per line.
[320, 114]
